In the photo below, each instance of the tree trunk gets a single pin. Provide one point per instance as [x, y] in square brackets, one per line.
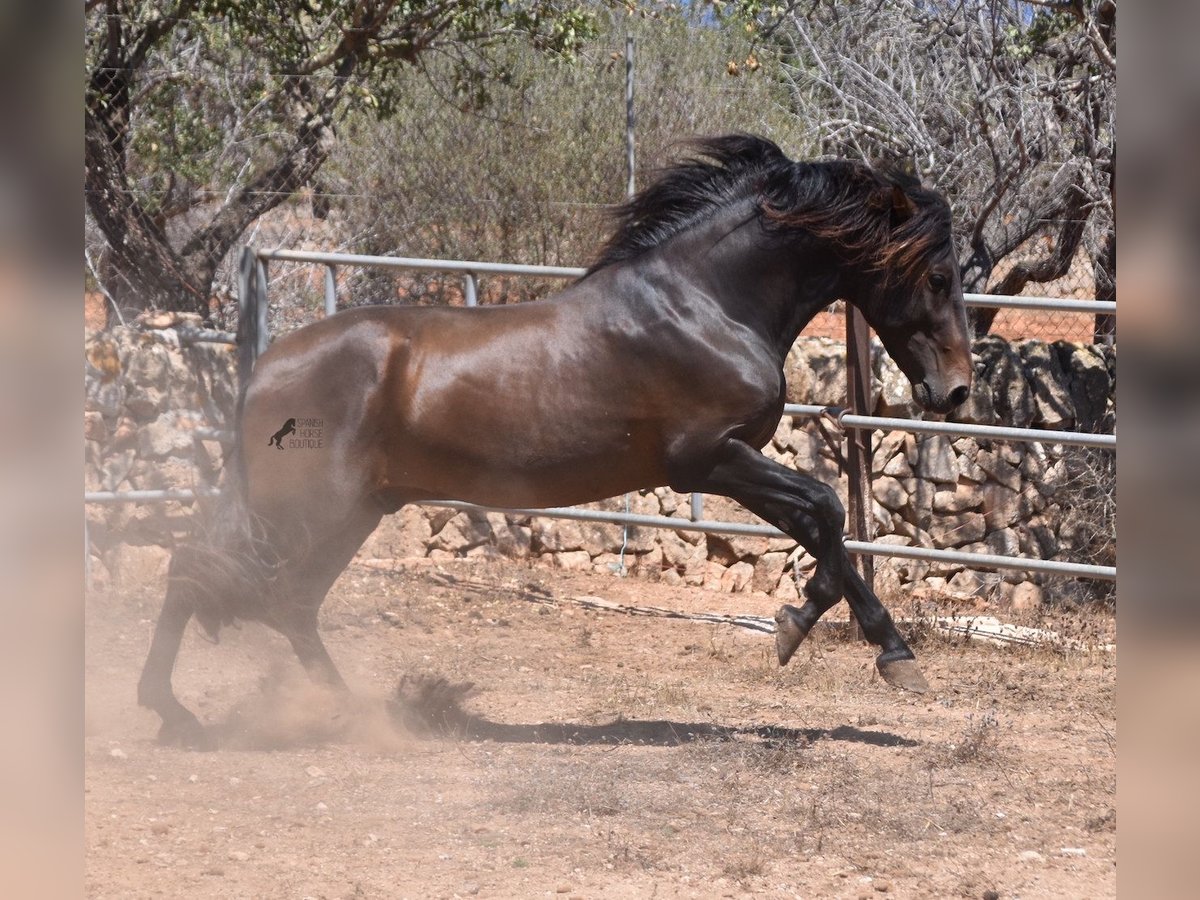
[1073, 220]
[147, 271]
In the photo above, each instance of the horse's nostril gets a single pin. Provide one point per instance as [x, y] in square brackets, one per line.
[959, 395]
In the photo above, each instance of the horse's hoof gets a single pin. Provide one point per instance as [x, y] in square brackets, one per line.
[902, 673]
[789, 632]
[188, 734]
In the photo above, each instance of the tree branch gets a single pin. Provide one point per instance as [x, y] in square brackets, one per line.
[1058, 262]
[313, 143]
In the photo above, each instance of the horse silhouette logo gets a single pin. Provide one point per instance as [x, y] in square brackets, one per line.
[289, 427]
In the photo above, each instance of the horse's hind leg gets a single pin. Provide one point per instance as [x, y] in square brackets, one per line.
[179, 725]
[304, 581]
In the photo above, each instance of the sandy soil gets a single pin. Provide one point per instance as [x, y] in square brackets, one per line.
[599, 755]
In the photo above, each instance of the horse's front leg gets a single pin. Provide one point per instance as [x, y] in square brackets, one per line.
[798, 505]
[810, 512]
[897, 663]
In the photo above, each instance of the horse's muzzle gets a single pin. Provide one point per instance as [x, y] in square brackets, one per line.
[937, 402]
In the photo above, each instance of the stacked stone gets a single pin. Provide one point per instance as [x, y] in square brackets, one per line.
[145, 394]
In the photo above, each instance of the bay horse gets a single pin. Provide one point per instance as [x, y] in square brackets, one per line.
[662, 365]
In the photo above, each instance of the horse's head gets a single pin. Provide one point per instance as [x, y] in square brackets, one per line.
[915, 304]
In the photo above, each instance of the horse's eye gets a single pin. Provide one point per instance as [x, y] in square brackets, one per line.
[937, 281]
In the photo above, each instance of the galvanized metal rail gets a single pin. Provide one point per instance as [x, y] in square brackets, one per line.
[953, 429]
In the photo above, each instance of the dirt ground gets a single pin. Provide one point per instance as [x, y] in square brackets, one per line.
[599, 755]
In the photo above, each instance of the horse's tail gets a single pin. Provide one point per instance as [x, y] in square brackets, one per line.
[227, 563]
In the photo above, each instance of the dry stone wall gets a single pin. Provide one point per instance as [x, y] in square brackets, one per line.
[146, 395]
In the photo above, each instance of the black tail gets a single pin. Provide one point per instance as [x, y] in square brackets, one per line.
[227, 563]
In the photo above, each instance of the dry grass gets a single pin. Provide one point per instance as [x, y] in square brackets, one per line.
[979, 744]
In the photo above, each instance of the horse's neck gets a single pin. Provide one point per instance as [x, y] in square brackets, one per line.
[775, 290]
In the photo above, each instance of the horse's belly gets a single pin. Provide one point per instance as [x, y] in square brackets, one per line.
[540, 489]
[521, 475]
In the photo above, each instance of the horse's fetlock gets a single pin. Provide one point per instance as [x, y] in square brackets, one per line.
[825, 586]
[150, 693]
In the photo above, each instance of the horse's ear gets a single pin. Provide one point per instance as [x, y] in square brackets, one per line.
[903, 207]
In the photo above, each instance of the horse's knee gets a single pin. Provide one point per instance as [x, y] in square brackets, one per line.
[828, 509]
[820, 523]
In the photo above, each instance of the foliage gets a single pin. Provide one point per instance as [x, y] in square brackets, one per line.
[1009, 108]
[428, 127]
[532, 176]
[201, 117]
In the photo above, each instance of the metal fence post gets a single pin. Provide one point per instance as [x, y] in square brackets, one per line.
[247, 315]
[262, 336]
[470, 290]
[858, 441]
[629, 116]
[330, 290]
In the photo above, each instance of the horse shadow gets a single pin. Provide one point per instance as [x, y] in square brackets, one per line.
[433, 708]
[289, 715]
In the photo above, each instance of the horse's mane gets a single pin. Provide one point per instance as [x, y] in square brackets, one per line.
[845, 202]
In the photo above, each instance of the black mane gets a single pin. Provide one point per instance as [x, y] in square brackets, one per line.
[843, 201]
[724, 169]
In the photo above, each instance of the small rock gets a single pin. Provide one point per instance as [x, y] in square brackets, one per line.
[898, 467]
[991, 895]
[1032, 856]
[737, 578]
[936, 460]
[889, 492]
[94, 428]
[321, 807]
[1073, 851]
[573, 560]
[314, 772]
[193, 778]
[117, 753]
[882, 887]
[961, 499]
[125, 433]
[768, 569]
[1026, 597]
[956, 530]
[563, 889]
[160, 828]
